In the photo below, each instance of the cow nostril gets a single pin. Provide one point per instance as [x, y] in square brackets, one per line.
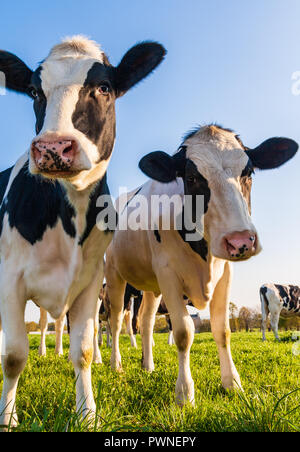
[67, 150]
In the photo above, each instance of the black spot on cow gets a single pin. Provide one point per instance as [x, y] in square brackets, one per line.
[40, 100]
[33, 204]
[283, 293]
[94, 114]
[93, 211]
[263, 291]
[157, 235]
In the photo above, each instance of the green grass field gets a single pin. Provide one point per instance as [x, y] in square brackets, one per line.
[137, 401]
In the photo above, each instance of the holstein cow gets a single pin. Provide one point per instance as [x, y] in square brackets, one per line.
[214, 163]
[51, 249]
[278, 301]
[131, 308]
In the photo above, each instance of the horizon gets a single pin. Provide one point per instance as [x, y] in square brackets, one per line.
[235, 64]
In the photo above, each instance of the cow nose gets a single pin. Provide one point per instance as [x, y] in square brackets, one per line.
[56, 155]
[241, 245]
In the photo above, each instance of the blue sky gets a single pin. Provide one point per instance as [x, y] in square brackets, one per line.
[228, 62]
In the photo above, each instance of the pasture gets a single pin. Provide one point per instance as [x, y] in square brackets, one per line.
[137, 401]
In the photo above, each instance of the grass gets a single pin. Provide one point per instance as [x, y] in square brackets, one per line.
[137, 401]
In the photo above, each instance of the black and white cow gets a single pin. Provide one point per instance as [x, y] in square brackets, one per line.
[51, 250]
[131, 308]
[159, 256]
[278, 301]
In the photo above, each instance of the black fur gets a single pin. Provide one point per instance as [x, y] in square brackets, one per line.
[33, 204]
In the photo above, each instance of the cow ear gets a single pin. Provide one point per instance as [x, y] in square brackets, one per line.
[17, 74]
[272, 153]
[163, 167]
[158, 166]
[136, 64]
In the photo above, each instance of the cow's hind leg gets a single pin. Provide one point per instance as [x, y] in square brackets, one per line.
[59, 331]
[128, 322]
[15, 354]
[264, 315]
[115, 290]
[44, 328]
[219, 319]
[274, 320]
[97, 354]
[149, 308]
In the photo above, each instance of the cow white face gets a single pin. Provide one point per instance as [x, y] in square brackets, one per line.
[74, 92]
[214, 163]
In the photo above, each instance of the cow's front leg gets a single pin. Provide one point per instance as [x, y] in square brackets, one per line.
[82, 318]
[14, 356]
[183, 331]
[219, 319]
[147, 319]
[44, 328]
[0, 339]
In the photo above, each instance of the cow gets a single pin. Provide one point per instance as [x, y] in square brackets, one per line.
[131, 307]
[278, 301]
[175, 248]
[51, 247]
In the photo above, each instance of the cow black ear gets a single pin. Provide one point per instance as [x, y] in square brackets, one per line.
[17, 74]
[136, 64]
[272, 153]
[158, 166]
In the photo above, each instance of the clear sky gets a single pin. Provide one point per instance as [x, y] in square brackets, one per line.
[229, 62]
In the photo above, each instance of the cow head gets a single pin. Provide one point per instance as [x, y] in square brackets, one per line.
[214, 163]
[74, 91]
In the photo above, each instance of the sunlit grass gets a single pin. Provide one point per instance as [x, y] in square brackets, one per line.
[137, 401]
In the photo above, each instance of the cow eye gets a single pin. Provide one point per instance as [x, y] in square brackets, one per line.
[34, 93]
[104, 89]
[192, 180]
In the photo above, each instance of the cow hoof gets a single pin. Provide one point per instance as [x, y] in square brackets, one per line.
[98, 360]
[185, 393]
[232, 383]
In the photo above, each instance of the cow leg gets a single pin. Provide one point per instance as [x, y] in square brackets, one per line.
[97, 354]
[44, 328]
[59, 331]
[15, 355]
[82, 318]
[100, 335]
[170, 337]
[128, 322]
[264, 317]
[183, 330]
[219, 319]
[147, 319]
[108, 335]
[274, 320]
[115, 290]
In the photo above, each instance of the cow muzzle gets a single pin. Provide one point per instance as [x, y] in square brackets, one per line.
[54, 154]
[240, 245]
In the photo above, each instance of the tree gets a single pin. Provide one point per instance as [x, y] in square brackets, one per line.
[245, 317]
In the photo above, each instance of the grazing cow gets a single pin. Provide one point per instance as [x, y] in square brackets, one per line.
[51, 247]
[131, 307]
[159, 257]
[278, 301]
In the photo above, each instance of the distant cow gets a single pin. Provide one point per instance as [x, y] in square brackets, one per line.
[131, 307]
[192, 255]
[278, 301]
[52, 235]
